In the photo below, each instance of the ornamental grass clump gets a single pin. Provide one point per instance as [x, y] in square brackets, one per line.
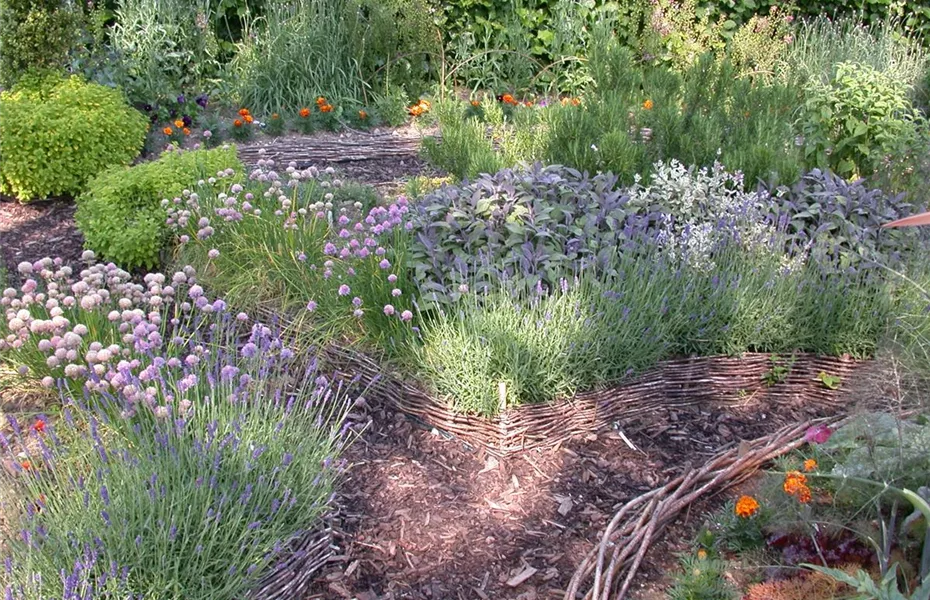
[193, 471]
[294, 244]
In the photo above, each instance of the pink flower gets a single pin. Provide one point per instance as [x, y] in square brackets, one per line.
[344, 290]
[406, 315]
[818, 434]
[388, 310]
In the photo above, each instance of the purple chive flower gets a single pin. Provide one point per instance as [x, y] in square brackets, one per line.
[356, 301]
[329, 248]
[392, 278]
[311, 306]
[396, 292]
[213, 253]
[388, 309]
[384, 264]
[344, 290]
[358, 313]
[406, 315]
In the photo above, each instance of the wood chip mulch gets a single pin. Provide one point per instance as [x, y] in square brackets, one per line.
[29, 232]
[425, 517]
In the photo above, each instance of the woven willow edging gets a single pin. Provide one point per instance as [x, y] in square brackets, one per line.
[670, 384]
[289, 577]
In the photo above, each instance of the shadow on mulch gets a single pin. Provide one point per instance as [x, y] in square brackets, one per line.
[425, 517]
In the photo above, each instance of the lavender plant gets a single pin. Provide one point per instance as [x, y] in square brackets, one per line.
[193, 473]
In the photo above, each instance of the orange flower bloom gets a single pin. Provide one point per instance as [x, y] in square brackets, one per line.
[326, 108]
[237, 123]
[796, 485]
[576, 101]
[275, 116]
[186, 131]
[38, 426]
[416, 110]
[746, 507]
[507, 99]
[810, 464]
[362, 115]
[424, 104]
[648, 104]
[475, 103]
[248, 118]
[304, 112]
[179, 123]
[167, 131]
[527, 103]
[320, 101]
[243, 112]
[26, 465]
[702, 554]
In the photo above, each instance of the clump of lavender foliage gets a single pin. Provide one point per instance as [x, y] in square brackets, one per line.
[187, 455]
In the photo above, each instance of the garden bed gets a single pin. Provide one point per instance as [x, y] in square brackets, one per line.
[424, 515]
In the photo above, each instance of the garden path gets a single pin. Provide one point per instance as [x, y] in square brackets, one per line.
[424, 517]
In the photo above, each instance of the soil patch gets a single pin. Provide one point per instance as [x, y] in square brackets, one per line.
[29, 232]
[426, 517]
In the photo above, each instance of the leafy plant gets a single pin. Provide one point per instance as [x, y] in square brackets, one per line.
[701, 579]
[56, 134]
[858, 122]
[831, 382]
[868, 589]
[778, 372]
[123, 212]
[36, 35]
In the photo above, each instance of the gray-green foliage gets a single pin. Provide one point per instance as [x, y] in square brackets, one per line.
[167, 47]
[868, 589]
[882, 447]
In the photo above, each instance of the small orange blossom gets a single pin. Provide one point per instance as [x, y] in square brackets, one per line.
[746, 507]
[304, 112]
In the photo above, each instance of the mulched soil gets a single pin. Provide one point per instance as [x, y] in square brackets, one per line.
[425, 517]
[29, 232]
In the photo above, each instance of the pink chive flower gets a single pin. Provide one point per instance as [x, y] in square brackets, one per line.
[388, 310]
[311, 306]
[406, 315]
[396, 292]
[344, 290]
[384, 264]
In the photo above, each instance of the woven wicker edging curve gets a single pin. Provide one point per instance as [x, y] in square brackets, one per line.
[295, 566]
[672, 383]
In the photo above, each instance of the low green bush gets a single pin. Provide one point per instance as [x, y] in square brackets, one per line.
[35, 35]
[860, 122]
[122, 215]
[56, 134]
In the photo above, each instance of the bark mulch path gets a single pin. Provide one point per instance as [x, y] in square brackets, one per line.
[424, 517]
[29, 232]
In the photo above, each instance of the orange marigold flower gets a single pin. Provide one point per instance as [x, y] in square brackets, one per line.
[746, 507]
[362, 115]
[248, 118]
[416, 110]
[186, 131]
[648, 104]
[326, 108]
[304, 112]
[475, 103]
[527, 103]
[179, 123]
[810, 464]
[702, 554]
[507, 99]
[243, 112]
[167, 131]
[26, 465]
[424, 104]
[237, 123]
[275, 116]
[576, 101]
[794, 480]
[320, 101]
[804, 494]
[38, 426]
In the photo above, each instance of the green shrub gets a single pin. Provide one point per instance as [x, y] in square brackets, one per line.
[122, 215]
[35, 35]
[858, 122]
[55, 134]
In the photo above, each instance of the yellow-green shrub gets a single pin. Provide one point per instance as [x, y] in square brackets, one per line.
[121, 215]
[55, 134]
